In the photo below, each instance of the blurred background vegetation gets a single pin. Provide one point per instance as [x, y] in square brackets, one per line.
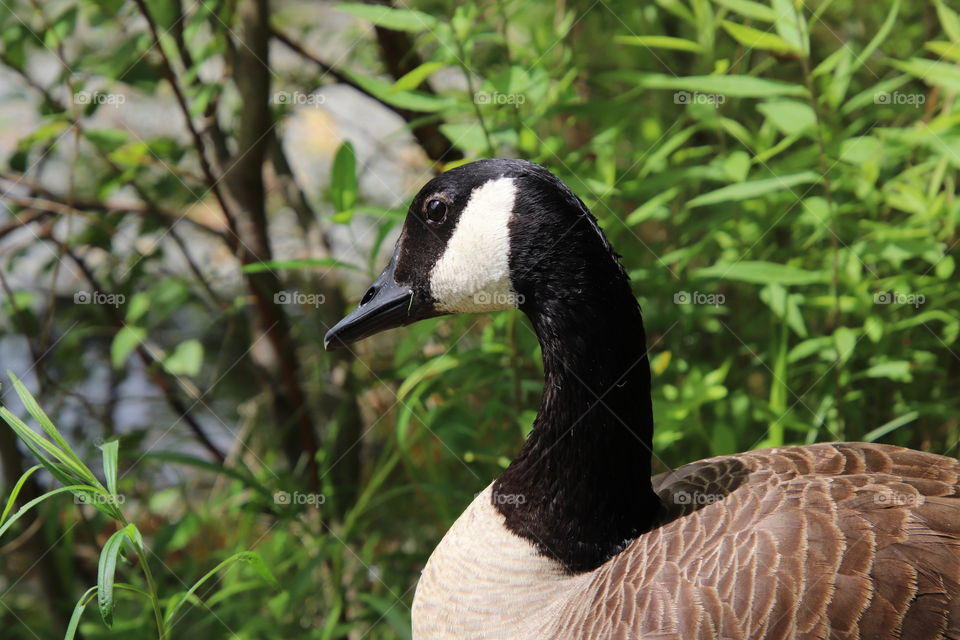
[193, 192]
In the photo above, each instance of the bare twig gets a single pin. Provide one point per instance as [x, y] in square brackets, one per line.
[22, 221]
[48, 201]
[163, 380]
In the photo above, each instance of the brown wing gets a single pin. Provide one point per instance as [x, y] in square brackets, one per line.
[824, 541]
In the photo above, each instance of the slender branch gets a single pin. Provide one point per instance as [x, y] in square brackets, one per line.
[212, 128]
[213, 182]
[22, 221]
[51, 202]
[164, 381]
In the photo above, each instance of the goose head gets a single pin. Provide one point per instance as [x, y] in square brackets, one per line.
[489, 235]
[498, 234]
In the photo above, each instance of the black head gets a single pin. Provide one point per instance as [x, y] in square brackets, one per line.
[492, 234]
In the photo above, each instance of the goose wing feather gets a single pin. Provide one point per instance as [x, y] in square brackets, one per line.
[834, 541]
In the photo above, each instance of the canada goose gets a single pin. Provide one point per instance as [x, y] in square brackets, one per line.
[575, 540]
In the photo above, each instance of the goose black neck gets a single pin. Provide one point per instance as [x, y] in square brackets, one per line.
[580, 489]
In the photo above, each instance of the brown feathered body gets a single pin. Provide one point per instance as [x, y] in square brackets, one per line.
[827, 541]
[836, 541]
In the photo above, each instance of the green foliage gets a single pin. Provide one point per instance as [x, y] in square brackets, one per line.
[59, 458]
[779, 177]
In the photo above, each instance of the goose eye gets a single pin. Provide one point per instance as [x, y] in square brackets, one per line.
[436, 211]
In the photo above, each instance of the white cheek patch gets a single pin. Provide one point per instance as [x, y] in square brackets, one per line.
[473, 274]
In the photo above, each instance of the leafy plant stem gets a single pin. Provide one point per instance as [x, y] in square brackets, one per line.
[461, 57]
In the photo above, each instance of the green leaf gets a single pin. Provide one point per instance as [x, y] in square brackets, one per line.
[945, 267]
[878, 39]
[106, 569]
[873, 328]
[874, 94]
[303, 263]
[737, 166]
[933, 72]
[784, 305]
[465, 135]
[387, 610]
[942, 49]
[415, 78]
[413, 100]
[49, 456]
[845, 340]
[809, 347]
[757, 39]
[753, 189]
[110, 452]
[897, 370]
[78, 612]
[791, 26]
[749, 9]
[735, 86]
[660, 42]
[430, 369]
[249, 557]
[861, 149]
[12, 498]
[839, 84]
[343, 178]
[653, 206]
[762, 272]
[37, 413]
[22, 511]
[390, 18]
[896, 423]
[164, 13]
[949, 21]
[677, 8]
[62, 463]
[138, 306]
[234, 472]
[107, 140]
[63, 25]
[789, 116]
[201, 98]
[125, 341]
[186, 359]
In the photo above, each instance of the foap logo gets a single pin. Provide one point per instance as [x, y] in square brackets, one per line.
[92, 97]
[696, 498]
[495, 97]
[498, 298]
[299, 98]
[896, 499]
[508, 498]
[699, 298]
[300, 498]
[695, 97]
[899, 97]
[298, 297]
[99, 297]
[99, 499]
[915, 300]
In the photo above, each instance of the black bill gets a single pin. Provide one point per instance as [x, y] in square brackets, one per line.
[385, 305]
